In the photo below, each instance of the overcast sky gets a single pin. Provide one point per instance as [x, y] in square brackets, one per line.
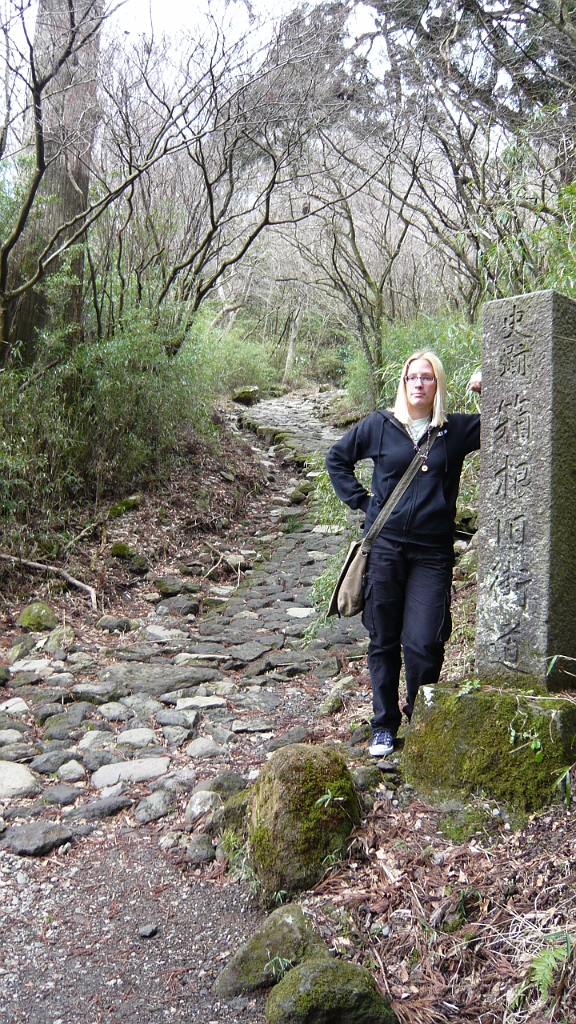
[168, 16]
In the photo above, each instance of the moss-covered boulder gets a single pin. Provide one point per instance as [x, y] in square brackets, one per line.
[285, 939]
[326, 991]
[304, 808]
[512, 746]
[37, 617]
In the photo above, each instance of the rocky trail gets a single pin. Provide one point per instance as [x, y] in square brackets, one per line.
[121, 736]
[114, 900]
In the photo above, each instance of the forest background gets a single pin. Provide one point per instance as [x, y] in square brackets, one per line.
[258, 202]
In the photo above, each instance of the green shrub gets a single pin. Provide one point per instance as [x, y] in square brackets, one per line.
[360, 384]
[108, 416]
[98, 422]
[219, 361]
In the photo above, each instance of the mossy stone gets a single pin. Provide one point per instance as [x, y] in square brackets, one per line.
[298, 496]
[333, 704]
[326, 991]
[37, 617]
[115, 622]
[138, 565]
[59, 638]
[366, 778]
[168, 586]
[233, 815]
[509, 745]
[214, 602]
[467, 565]
[303, 810]
[126, 505]
[228, 783]
[120, 550]
[4, 674]
[248, 395]
[286, 936]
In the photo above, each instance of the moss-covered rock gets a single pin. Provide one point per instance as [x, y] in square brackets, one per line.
[138, 565]
[37, 617]
[248, 395]
[121, 550]
[366, 778]
[232, 816]
[285, 939]
[304, 808]
[228, 783]
[115, 622]
[126, 505]
[168, 586]
[322, 991]
[298, 496]
[60, 638]
[509, 745]
[335, 699]
[467, 565]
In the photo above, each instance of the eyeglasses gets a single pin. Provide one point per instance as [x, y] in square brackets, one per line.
[424, 377]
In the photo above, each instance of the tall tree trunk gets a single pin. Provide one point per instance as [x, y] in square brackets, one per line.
[69, 122]
[292, 343]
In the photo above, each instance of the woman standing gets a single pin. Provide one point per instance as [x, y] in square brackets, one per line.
[409, 577]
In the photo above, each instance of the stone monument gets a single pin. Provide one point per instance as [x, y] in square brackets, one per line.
[527, 541]
[505, 735]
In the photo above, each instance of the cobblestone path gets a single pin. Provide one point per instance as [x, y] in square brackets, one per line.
[113, 756]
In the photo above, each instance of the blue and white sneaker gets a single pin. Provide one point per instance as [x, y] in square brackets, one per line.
[382, 743]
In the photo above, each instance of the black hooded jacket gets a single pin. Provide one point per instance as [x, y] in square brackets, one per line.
[427, 509]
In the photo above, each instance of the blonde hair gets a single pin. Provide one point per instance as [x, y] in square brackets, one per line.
[438, 409]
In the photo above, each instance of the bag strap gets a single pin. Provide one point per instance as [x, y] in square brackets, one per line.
[394, 498]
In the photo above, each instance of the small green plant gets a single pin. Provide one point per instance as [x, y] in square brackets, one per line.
[413, 957]
[467, 899]
[239, 866]
[531, 737]
[544, 968]
[279, 896]
[469, 686]
[330, 859]
[564, 784]
[326, 799]
[278, 966]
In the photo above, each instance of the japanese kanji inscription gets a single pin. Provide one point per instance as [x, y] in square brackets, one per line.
[527, 541]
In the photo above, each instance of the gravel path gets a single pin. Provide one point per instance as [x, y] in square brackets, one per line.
[111, 747]
[71, 945]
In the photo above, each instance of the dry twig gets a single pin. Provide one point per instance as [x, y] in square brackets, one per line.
[39, 566]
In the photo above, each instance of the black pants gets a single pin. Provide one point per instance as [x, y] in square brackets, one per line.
[407, 605]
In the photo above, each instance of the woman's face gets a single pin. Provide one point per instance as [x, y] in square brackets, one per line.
[420, 393]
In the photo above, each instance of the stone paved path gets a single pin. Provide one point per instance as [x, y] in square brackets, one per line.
[139, 743]
[302, 416]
